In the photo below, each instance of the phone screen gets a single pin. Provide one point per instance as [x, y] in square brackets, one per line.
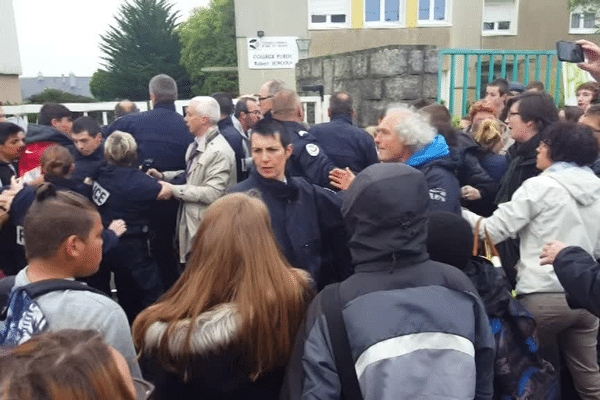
[569, 52]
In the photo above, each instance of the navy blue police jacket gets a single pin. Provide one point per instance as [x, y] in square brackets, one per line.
[88, 166]
[307, 224]
[235, 140]
[125, 193]
[161, 135]
[345, 144]
[23, 201]
[307, 159]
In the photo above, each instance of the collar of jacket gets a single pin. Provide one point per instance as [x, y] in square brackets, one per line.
[62, 183]
[211, 331]
[225, 122]
[392, 262]
[167, 105]
[342, 117]
[280, 190]
[212, 133]
[434, 150]
[527, 149]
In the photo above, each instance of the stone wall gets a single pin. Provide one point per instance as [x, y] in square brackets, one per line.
[376, 78]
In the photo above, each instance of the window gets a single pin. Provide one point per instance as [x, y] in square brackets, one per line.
[328, 14]
[499, 17]
[583, 21]
[383, 12]
[433, 12]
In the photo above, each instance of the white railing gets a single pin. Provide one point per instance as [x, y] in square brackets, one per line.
[320, 108]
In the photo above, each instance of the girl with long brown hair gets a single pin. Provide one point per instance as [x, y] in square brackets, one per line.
[227, 326]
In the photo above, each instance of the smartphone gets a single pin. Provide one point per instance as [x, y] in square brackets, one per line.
[569, 52]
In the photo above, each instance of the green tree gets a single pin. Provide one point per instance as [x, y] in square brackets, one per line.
[208, 40]
[142, 44]
[58, 96]
[585, 4]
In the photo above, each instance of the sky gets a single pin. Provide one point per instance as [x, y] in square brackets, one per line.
[58, 37]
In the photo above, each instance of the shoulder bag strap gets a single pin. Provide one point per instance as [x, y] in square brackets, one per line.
[332, 307]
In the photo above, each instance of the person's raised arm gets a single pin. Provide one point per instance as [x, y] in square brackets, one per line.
[592, 58]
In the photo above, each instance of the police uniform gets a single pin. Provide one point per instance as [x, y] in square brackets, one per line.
[307, 159]
[162, 138]
[19, 207]
[127, 193]
[307, 224]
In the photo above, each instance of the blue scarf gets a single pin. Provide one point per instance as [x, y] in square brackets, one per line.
[436, 149]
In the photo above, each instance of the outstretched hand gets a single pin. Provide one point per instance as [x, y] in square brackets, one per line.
[118, 226]
[341, 178]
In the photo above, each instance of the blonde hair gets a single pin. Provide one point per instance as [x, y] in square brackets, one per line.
[489, 134]
[120, 149]
[235, 259]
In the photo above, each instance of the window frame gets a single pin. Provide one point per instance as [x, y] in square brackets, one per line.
[581, 30]
[513, 31]
[447, 21]
[401, 23]
[328, 24]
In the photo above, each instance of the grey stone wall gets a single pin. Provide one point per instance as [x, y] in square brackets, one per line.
[375, 78]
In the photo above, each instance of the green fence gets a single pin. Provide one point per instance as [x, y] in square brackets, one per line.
[513, 65]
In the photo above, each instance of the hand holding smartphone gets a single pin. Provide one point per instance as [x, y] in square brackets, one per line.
[569, 52]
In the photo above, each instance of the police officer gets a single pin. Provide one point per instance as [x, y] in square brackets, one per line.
[307, 159]
[306, 218]
[123, 191]
[56, 163]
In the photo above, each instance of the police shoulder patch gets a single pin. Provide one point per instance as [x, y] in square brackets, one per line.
[302, 133]
[312, 149]
[99, 194]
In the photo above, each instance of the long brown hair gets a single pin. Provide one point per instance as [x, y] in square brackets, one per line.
[234, 259]
[63, 365]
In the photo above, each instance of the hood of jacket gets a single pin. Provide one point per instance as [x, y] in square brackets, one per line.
[211, 331]
[581, 182]
[434, 150]
[385, 213]
[44, 133]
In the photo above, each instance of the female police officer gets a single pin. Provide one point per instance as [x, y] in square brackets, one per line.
[122, 191]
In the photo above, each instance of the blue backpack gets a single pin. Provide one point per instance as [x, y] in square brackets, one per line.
[21, 315]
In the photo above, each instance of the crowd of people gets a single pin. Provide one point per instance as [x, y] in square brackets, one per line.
[254, 256]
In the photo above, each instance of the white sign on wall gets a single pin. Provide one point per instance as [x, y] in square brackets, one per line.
[272, 52]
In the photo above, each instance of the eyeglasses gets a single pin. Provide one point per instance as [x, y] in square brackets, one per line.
[264, 98]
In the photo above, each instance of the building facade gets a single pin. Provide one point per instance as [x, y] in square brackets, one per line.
[10, 60]
[341, 26]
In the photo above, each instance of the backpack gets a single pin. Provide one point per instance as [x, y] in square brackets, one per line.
[21, 314]
[520, 371]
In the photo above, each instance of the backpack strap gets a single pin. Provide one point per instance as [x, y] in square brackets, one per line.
[37, 289]
[6, 285]
[40, 288]
[332, 307]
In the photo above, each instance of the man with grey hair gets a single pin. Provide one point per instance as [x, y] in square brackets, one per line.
[268, 90]
[125, 107]
[406, 136]
[210, 170]
[162, 138]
